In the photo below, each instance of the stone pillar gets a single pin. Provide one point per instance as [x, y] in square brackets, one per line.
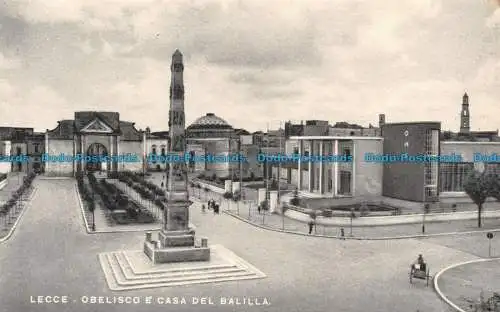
[236, 187]
[353, 169]
[204, 242]
[336, 170]
[84, 152]
[299, 166]
[311, 167]
[46, 163]
[273, 201]
[228, 186]
[321, 174]
[261, 195]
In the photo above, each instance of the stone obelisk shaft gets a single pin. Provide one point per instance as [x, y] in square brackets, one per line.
[177, 212]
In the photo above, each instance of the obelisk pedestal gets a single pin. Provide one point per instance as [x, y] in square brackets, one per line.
[177, 241]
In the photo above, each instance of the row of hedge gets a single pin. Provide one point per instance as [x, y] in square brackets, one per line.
[220, 180]
[23, 188]
[147, 190]
[85, 192]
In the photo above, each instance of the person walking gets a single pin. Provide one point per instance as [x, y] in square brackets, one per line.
[311, 226]
[258, 208]
[342, 234]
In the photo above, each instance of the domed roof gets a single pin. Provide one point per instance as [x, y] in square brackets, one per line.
[210, 121]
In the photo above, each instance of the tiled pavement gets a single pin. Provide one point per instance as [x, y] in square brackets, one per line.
[51, 254]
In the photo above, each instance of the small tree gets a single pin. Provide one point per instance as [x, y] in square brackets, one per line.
[295, 201]
[228, 195]
[478, 187]
[264, 205]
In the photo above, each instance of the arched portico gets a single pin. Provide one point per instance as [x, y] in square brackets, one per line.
[97, 152]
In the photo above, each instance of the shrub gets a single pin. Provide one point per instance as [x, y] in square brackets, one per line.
[236, 196]
[228, 195]
[295, 201]
[206, 189]
[327, 213]
[264, 205]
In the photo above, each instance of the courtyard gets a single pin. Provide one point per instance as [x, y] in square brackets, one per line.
[51, 254]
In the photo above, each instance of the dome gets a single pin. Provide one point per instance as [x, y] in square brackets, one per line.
[210, 121]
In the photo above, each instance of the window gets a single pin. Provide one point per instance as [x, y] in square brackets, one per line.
[154, 151]
[295, 150]
[347, 151]
[36, 148]
[452, 176]
[162, 151]
[18, 149]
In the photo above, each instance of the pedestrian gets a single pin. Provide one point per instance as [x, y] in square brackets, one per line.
[203, 208]
[217, 207]
[311, 225]
[258, 208]
[162, 184]
[342, 234]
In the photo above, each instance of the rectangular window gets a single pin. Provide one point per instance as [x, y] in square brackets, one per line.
[452, 176]
[36, 148]
[347, 151]
[295, 150]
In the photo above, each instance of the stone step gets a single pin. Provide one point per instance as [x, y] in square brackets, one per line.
[121, 281]
[131, 276]
[124, 260]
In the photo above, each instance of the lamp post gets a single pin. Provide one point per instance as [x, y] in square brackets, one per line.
[93, 211]
[353, 215]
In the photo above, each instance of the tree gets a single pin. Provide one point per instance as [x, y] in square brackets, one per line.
[295, 201]
[479, 187]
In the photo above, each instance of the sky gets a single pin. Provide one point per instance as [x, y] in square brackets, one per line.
[251, 62]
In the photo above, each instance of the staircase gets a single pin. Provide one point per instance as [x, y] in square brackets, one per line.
[126, 270]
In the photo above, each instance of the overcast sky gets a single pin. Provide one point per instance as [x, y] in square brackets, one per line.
[251, 61]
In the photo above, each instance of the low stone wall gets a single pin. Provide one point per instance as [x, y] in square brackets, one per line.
[319, 203]
[389, 220]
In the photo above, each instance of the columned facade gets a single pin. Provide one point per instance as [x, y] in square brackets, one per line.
[349, 176]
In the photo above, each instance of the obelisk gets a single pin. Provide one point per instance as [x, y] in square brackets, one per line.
[176, 240]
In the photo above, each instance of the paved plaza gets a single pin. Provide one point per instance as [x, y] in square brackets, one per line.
[51, 254]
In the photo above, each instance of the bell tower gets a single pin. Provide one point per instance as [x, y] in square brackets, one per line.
[465, 115]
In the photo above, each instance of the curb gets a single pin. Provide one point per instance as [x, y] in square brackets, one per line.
[436, 277]
[354, 237]
[87, 227]
[28, 205]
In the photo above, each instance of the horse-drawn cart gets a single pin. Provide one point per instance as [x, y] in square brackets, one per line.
[420, 271]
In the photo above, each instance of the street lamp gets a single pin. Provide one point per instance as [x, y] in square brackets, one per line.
[93, 211]
[352, 215]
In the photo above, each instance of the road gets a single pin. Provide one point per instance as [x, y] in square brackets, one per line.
[51, 254]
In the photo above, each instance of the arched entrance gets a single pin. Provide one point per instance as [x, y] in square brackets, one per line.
[99, 150]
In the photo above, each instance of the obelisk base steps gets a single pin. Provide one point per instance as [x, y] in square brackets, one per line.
[176, 246]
